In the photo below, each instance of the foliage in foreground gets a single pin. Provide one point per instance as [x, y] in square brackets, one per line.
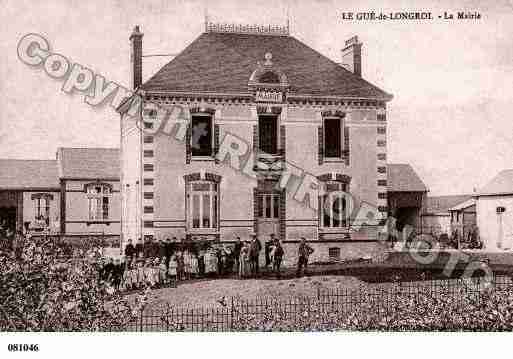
[425, 310]
[43, 290]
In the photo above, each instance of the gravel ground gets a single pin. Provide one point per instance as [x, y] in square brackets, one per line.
[206, 293]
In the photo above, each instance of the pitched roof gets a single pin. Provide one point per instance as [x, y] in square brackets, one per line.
[442, 204]
[224, 62]
[403, 178]
[24, 174]
[89, 163]
[500, 184]
[464, 205]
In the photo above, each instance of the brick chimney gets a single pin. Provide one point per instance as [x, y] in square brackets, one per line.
[352, 56]
[136, 58]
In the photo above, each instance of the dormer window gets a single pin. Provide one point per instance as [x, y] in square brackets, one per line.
[98, 195]
[269, 77]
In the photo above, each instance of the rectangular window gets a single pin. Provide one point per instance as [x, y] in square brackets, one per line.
[332, 137]
[148, 125]
[148, 153]
[148, 167]
[42, 209]
[98, 201]
[203, 210]
[201, 136]
[268, 205]
[196, 211]
[105, 207]
[148, 209]
[332, 206]
[148, 139]
[148, 181]
[148, 195]
[268, 134]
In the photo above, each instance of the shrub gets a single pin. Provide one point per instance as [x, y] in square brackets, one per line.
[43, 290]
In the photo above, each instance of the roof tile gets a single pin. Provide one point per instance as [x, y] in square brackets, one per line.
[224, 62]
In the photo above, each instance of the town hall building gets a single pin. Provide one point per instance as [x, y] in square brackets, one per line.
[249, 130]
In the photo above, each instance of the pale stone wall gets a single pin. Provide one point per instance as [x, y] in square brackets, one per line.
[77, 210]
[29, 209]
[495, 235]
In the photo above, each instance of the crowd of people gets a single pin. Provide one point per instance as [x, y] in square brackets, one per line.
[165, 262]
[162, 263]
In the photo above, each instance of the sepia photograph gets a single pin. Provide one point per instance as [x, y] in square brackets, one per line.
[293, 166]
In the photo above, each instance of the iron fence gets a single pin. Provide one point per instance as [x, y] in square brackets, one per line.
[325, 306]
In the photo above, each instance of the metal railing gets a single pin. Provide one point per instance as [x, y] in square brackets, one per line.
[327, 304]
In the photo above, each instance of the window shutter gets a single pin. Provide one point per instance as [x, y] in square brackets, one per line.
[188, 150]
[255, 207]
[255, 139]
[283, 214]
[320, 140]
[282, 141]
[216, 142]
[346, 144]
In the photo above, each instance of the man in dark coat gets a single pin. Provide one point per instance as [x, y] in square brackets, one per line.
[278, 257]
[139, 248]
[254, 253]
[154, 248]
[304, 252]
[129, 251]
[236, 253]
[170, 250]
[267, 250]
[117, 273]
[162, 250]
[148, 247]
[108, 270]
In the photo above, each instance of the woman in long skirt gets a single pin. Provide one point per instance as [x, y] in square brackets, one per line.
[244, 261]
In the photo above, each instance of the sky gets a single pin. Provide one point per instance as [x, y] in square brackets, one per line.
[451, 116]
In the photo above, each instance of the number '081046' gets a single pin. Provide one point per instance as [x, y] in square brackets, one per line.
[23, 347]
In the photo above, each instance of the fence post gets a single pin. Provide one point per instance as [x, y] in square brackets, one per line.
[141, 321]
[318, 292]
[231, 315]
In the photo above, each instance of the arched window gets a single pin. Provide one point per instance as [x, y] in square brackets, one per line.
[202, 204]
[269, 77]
[98, 195]
[333, 206]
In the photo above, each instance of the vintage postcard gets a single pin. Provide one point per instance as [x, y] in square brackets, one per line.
[273, 166]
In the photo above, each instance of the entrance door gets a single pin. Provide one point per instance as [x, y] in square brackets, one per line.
[268, 220]
[7, 219]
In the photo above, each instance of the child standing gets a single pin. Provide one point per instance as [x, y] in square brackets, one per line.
[163, 273]
[140, 275]
[172, 271]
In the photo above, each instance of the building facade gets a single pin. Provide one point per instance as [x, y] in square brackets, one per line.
[75, 195]
[494, 209]
[248, 130]
[407, 195]
[437, 217]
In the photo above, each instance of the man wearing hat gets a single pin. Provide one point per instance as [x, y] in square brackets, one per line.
[236, 252]
[254, 253]
[267, 249]
[304, 252]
